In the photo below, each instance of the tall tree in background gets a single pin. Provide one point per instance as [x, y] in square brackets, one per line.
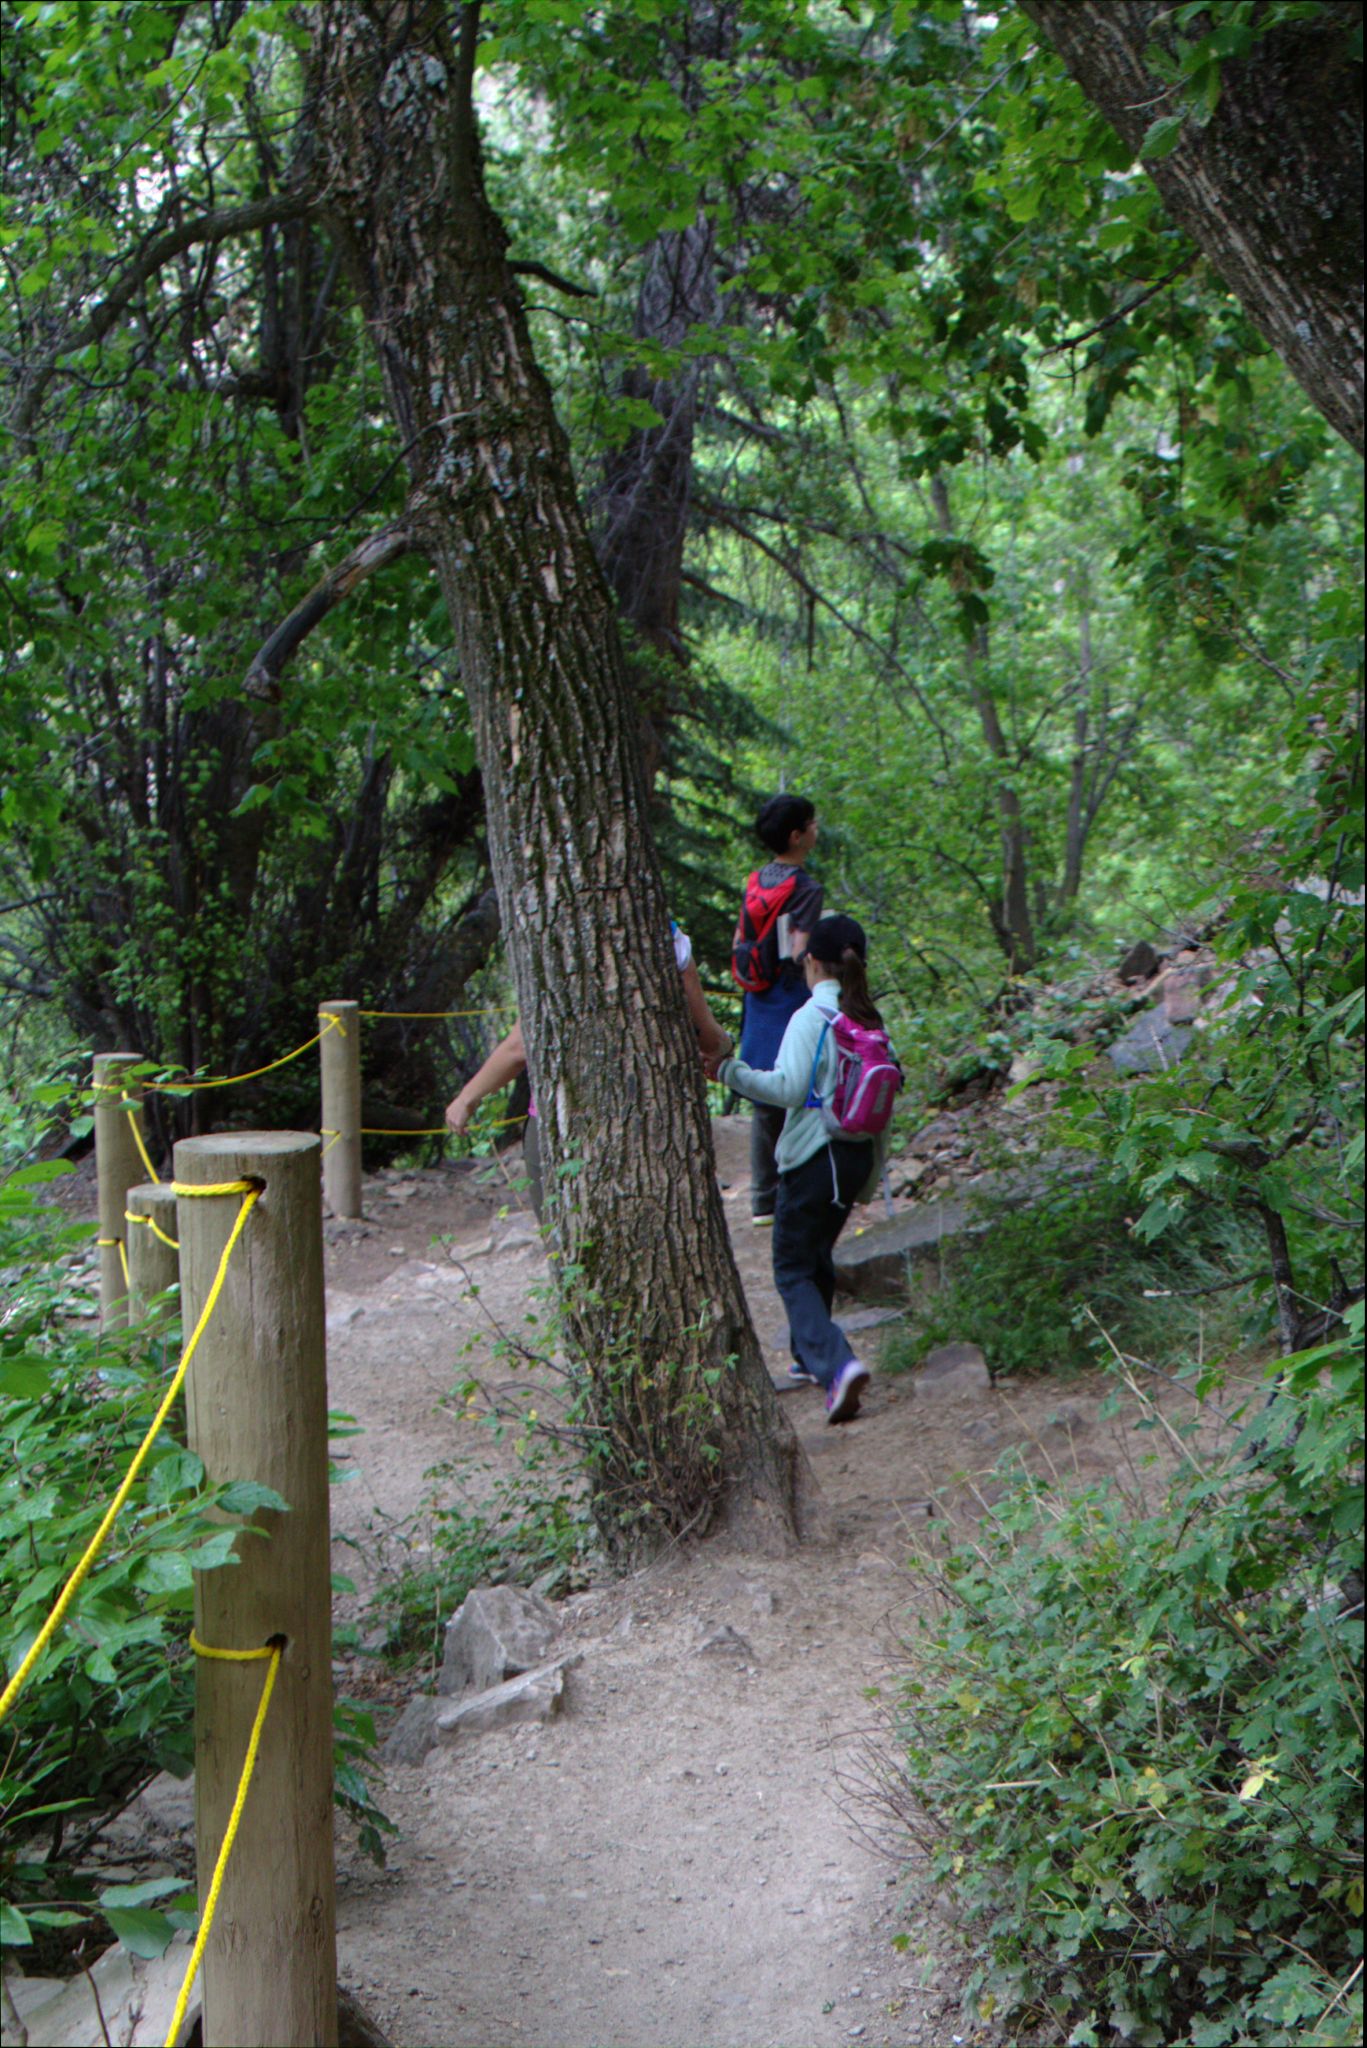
[1249, 122]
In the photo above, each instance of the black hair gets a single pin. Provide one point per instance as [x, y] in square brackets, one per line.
[840, 942]
[781, 817]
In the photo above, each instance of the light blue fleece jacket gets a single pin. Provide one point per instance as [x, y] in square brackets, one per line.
[788, 1084]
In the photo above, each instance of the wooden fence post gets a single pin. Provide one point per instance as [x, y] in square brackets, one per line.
[256, 1409]
[153, 1264]
[339, 1057]
[118, 1167]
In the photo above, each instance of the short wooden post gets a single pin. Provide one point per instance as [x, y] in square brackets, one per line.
[153, 1264]
[339, 1055]
[118, 1167]
[256, 1409]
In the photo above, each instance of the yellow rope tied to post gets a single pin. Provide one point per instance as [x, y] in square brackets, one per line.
[273, 1651]
[155, 1228]
[250, 1192]
[231, 1080]
[107, 1244]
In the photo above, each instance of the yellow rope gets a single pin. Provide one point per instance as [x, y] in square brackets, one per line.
[232, 1656]
[131, 1108]
[250, 1194]
[427, 1015]
[272, 1651]
[107, 1244]
[155, 1228]
[231, 1080]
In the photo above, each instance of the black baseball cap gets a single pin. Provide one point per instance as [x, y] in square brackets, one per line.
[833, 936]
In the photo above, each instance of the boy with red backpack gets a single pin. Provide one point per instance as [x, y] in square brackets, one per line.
[836, 1076]
[781, 906]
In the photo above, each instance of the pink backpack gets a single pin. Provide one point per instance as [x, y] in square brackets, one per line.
[867, 1078]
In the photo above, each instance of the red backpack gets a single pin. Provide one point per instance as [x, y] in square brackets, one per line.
[754, 950]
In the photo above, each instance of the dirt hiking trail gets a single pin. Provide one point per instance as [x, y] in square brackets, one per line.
[689, 1855]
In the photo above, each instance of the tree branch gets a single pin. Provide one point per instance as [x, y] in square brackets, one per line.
[712, 509]
[1072, 341]
[390, 544]
[156, 251]
[529, 267]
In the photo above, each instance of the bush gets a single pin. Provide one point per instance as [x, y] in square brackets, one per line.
[111, 1702]
[1135, 1740]
[1032, 1284]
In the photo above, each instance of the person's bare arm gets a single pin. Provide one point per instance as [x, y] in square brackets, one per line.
[713, 1042]
[507, 1060]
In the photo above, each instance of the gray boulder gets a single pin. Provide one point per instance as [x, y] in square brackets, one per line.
[413, 1734]
[1140, 962]
[496, 1633]
[901, 1256]
[531, 1696]
[1151, 1046]
[952, 1370]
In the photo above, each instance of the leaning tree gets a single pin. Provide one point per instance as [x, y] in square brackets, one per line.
[1249, 122]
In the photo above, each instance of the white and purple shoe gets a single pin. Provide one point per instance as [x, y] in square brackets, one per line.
[846, 1390]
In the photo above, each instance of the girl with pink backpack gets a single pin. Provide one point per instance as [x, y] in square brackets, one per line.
[837, 1077]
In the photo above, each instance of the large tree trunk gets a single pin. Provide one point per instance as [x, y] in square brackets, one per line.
[642, 507]
[685, 1418]
[1271, 189]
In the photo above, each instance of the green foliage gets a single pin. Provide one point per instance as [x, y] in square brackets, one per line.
[1264, 1118]
[1134, 1739]
[1036, 1288]
[111, 1702]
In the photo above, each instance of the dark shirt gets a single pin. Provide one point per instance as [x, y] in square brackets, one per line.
[804, 905]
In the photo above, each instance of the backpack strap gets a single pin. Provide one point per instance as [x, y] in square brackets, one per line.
[813, 1099]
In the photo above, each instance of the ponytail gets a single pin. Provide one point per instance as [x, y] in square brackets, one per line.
[856, 1003]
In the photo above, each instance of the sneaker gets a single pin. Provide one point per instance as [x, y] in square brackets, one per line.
[765, 1222]
[800, 1376]
[842, 1401]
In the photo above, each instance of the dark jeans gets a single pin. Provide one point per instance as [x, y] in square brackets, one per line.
[766, 1128]
[813, 1201]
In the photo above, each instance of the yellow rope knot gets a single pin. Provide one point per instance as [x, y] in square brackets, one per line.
[152, 1224]
[107, 1244]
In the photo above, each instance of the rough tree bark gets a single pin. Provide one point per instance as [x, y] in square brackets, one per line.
[657, 1319]
[641, 510]
[643, 506]
[1271, 189]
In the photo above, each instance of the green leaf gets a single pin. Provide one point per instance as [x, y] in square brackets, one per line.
[143, 1933]
[121, 1895]
[245, 1496]
[14, 1929]
[24, 1379]
[1161, 137]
